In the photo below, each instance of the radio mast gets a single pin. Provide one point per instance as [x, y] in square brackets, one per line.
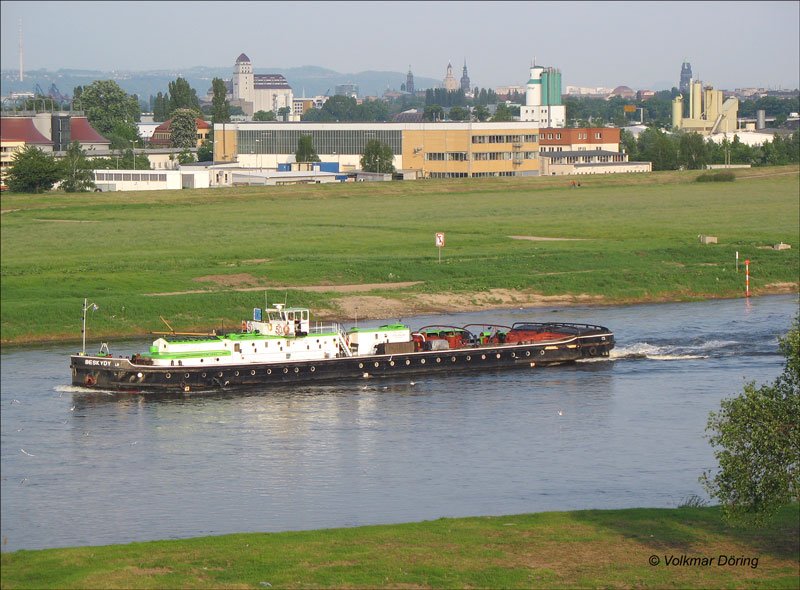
[21, 74]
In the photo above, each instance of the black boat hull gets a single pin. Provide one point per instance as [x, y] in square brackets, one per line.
[110, 373]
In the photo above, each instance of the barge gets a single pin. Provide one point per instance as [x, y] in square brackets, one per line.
[280, 345]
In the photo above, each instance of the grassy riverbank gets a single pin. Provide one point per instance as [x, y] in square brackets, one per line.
[582, 549]
[204, 258]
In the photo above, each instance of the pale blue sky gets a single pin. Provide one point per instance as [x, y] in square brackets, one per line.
[638, 44]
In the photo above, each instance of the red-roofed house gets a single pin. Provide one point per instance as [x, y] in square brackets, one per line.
[162, 136]
[22, 130]
[82, 132]
[50, 132]
[15, 134]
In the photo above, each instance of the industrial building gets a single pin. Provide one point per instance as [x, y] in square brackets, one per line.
[708, 114]
[258, 92]
[433, 150]
[543, 104]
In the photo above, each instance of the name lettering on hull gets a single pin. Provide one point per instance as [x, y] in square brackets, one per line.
[96, 363]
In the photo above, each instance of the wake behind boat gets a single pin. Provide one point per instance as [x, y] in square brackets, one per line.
[280, 345]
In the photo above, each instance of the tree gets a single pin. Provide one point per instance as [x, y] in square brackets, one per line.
[77, 170]
[657, 147]
[757, 440]
[458, 114]
[305, 150]
[184, 128]
[160, 107]
[317, 115]
[264, 116]
[372, 110]
[205, 153]
[503, 113]
[284, 112]
[122, 135]
[481, 113]
[185, 157]
[33, 171]
[123, 161]
[110, 109]
[182, 96]
[627, 142]
[692, 152]
[340, 108]
[377, 157]
[433, 112]
[221, 111]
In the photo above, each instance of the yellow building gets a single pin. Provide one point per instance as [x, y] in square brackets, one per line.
[433, 150]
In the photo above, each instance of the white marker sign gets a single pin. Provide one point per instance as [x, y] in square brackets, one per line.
[440, 240]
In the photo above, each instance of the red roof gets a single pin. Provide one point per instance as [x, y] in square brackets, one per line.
[21, 129]
[168, 123]
[82, 132]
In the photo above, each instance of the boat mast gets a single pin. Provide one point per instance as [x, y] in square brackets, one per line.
[86, 306]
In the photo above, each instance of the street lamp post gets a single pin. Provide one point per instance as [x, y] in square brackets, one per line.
[86, 306]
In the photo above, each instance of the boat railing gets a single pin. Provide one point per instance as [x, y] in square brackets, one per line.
[343, 341]
[326, 328]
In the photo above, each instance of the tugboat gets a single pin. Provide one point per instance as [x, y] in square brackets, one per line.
[281, 346]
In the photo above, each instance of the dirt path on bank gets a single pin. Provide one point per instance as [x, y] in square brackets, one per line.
[356, 302]
[375, 307]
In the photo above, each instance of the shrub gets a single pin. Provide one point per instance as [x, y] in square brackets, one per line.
[725, 176]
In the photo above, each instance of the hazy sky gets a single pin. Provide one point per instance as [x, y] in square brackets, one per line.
[638, 44]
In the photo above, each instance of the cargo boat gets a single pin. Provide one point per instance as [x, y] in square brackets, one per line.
[281, 346]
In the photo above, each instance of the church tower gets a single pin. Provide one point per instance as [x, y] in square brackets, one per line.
[465, 85]
[450, 82]
[686, 77]
[410, 81]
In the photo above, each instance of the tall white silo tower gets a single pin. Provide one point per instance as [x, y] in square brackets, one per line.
[533, 92]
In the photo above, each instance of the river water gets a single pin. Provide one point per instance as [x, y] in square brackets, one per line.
[94, 468]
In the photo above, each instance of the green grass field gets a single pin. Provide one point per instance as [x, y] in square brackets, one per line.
[582, 549]
[636, 239]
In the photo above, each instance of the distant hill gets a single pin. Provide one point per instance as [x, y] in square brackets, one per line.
[305, 80]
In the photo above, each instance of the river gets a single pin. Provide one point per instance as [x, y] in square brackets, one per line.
[94, 468]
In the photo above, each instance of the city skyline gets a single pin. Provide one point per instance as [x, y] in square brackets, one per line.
[641, 45]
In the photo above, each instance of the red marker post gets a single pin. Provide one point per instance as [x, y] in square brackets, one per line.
[747, 278]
